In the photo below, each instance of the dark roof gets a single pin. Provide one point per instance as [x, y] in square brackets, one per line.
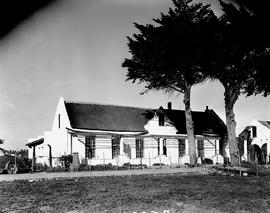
[265, 123]
[132, 119]
[35, 143]
[107, 117]
[205, 122]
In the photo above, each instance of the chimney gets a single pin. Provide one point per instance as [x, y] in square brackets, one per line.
[169, 105]
[206, 109]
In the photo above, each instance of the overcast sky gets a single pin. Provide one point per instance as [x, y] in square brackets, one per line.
[75, 49]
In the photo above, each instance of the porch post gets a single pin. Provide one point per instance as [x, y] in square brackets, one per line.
[50, 155]
[186, 147]
[121, 146]
[34, 159]
[245, 150]
[161, 146]
[217, 147]
[71, 143]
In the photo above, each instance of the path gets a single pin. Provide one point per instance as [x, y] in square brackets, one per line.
[45, 175]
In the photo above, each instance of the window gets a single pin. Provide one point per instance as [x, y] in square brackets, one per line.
[115, 146]
[158, 148]
[139, 148]
[181, 147]
[90, 147]
[161, 119]
[254, 132]
[200, 148]
[59, 121]
[164, 147]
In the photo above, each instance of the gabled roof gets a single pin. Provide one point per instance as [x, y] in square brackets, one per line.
[107, 117]
[265, 123]
[131, 119]
[205, 122]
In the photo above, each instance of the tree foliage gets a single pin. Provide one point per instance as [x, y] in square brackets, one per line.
[239, 61]
[171, 54]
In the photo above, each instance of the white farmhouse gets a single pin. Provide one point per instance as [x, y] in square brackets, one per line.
[255, 139]
[103, 134]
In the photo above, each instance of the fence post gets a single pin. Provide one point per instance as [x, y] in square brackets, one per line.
[170, 159]
[90, 164]
[103, 160]
[256, 163]
[149, 160]
[239, 159]
[227, 159]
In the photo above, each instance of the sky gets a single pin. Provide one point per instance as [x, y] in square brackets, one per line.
[74, 49]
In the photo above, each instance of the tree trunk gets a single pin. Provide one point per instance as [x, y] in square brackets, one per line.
[230, 99]
[190, 127]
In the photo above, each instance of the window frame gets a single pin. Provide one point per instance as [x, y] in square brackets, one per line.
[181, 144]
[115, 146]
[90, 147]
[139, 147]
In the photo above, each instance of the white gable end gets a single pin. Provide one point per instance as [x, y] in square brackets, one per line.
[61, 120]
[153, 127]
[263, 133]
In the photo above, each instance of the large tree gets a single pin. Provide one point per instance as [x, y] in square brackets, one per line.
[170, 54]
[235, 61]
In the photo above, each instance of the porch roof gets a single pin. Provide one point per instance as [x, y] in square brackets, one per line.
[35, 142]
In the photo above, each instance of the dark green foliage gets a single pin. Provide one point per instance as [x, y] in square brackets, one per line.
[170, 54]
[207, 161]
[241, 59]
[66, 160]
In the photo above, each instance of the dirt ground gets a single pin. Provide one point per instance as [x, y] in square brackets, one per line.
[45, 175]
[191, 190]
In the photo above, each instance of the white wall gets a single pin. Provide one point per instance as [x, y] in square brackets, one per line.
[263, 134]
[58, 141]
[64, 120]
[153, 127]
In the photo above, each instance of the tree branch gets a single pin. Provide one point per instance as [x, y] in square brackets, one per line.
[177, 89]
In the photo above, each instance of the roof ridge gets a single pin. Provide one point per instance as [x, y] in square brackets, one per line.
[104, 104]
[107, 104]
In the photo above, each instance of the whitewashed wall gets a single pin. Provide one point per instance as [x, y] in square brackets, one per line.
[263, 134]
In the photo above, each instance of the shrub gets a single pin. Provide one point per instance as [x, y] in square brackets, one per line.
[66, 160]
[158, 164]
[207, 161]
[41, 167]
[247, 164]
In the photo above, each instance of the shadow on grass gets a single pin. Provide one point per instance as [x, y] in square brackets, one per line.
[139, 193]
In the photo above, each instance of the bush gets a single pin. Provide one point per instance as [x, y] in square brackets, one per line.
[247, 164]
[66, 160]
[207, 161]
[158, 164]
[41, 167]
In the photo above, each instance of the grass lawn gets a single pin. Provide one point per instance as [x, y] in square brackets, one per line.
[143, 193]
